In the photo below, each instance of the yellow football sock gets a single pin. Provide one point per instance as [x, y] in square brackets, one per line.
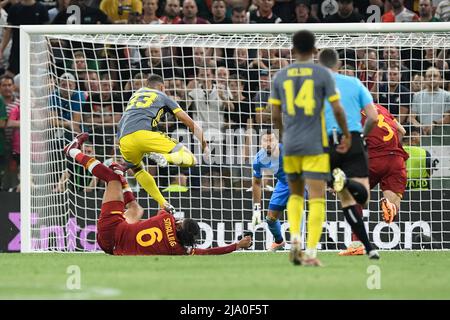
[147, 182]
[182, 158]
[295, 213]
[316, 218]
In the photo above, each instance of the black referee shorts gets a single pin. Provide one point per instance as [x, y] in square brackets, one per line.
[354, 163]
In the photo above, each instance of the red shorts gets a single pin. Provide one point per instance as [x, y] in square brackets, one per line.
[390, 172]
[111, 217]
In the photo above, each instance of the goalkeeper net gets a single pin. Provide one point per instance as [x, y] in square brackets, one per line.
[80, 79]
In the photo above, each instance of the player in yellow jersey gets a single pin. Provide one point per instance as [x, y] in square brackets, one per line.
[297, 98]
[138, 135]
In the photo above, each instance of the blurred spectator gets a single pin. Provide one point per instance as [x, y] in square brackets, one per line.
[208, 105]
[102, 112]
[89, 15]
[303, 12]
[148, 16]
[346, 13]
[3, 144]
[24, 13]
[399, 13]
[394, 96]
[426, 12]
[369, 71]
[218, 11]
[120, 11]
[261, 98]
[264, 13]
[417, 83]
[443, 10]
[61, 6]
[178, 183]
[321, 9]
[6, 53]
[392, 59]
[154, 61]
[241, 110]
[431, 106]
[79, 177]
[80, 68]
[347, 70]
[14, 124]
[285, 9]
[11, 100]
[419, 165]
[92, 84]
[171, 12]
[177, 88]
[65, 107]
[190, 11]
[239, 15]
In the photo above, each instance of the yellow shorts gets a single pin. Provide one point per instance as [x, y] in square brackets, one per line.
[309, 167]
[133, 146]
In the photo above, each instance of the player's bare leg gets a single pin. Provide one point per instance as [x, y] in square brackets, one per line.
[390, 204]
[316, 217]
[272, 217]
[295, 213]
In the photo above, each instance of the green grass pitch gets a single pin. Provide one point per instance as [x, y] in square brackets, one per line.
[403, 275]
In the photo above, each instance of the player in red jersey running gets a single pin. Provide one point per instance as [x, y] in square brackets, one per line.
[386, 167]
[121, 231]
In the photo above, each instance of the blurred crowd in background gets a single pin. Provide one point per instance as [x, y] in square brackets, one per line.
[222, 89]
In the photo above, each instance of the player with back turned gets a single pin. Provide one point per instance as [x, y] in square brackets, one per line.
[138, 134]
[297, 98]
[351, 170]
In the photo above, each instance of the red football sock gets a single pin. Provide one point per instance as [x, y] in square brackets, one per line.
[97, 168]
[128, 195]
[359, 210]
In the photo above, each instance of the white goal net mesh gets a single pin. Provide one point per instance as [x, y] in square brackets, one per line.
[83, 83]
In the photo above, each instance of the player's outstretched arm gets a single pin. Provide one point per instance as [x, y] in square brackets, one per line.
[339, 114]
[371, 118]
[193, 126]
[244, 243]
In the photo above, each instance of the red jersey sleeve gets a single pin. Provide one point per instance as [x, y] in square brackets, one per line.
[215, 251]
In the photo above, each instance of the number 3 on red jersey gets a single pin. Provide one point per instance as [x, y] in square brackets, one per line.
[383, 124]
[154, 233]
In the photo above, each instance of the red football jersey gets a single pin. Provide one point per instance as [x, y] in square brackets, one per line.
[157, 236]
[383, 139]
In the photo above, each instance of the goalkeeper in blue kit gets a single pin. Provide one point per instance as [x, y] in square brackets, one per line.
[269, 158]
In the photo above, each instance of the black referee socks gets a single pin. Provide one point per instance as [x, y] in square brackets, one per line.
[358, 191]
[357, 224]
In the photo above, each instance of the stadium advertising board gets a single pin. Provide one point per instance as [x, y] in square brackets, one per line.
[421, 224]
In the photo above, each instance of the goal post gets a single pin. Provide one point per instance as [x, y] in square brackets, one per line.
[59, 209]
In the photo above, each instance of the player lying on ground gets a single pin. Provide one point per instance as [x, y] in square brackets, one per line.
[351, 169]
[138, 134]
[122, 232]
[269, 157]
[298, 93]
